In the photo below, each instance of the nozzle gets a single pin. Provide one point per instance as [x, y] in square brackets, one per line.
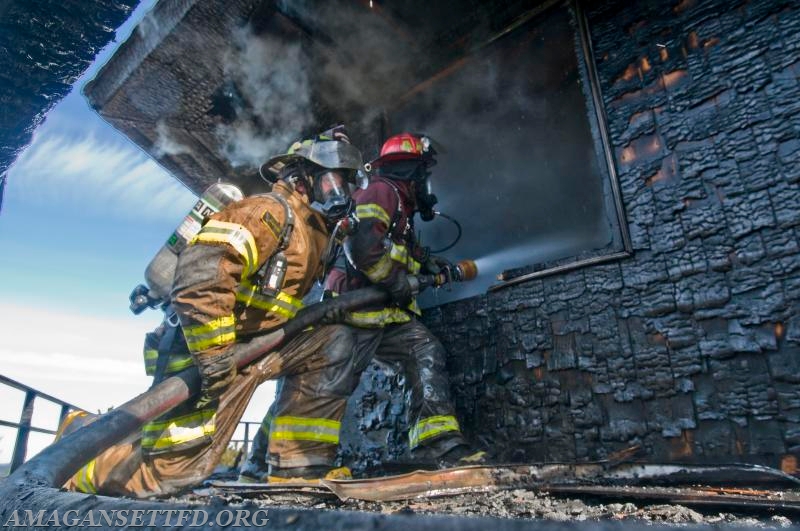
[459, 272]
[467, 270]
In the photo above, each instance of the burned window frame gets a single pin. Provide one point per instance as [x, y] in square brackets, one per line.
[595, 103]
[598, 131]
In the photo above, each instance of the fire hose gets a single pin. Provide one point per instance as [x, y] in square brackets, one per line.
[58, 462]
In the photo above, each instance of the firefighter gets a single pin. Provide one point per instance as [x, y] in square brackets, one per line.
[382, 251]
[244, 274]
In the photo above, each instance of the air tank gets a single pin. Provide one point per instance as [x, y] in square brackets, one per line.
[161, 269]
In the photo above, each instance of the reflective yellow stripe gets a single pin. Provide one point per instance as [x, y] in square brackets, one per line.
[220, 331]
[399, 253]
[150, 361]
[177, 362]
[378, 318]
[84, 478]
[234, 234]
[305, 429]
[163, 434]
[283, 304]
[373, 211]
[431, 426]
[380, 270]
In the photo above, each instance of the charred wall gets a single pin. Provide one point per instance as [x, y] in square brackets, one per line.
[691, 347]
[44, 47]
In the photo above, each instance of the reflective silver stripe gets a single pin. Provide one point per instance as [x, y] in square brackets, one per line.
[305, 429]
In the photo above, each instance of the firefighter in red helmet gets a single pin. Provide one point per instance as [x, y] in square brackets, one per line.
[382, 251]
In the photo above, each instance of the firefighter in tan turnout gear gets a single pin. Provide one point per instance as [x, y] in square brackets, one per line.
[383, 251]
[244, 274]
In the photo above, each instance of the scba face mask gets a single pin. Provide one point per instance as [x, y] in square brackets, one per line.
[331, 195]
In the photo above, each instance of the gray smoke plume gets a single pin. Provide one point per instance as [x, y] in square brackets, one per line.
[165, 144]
[370, 62]
[272, 80]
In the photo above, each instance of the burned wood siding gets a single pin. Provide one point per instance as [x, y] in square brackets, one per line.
[691, 347]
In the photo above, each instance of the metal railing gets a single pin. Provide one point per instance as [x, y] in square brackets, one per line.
[247, 438]
[24, 427]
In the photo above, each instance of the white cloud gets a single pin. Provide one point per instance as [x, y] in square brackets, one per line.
[90, 361]
[107, 176]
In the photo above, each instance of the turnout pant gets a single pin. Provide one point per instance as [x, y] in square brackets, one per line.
[307, 414]
[125, 470]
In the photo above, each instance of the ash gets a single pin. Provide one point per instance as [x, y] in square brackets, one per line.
[521, 504]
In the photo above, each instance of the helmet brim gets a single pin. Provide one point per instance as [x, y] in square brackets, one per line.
[270, 170]
[333, 155]
[394, 157]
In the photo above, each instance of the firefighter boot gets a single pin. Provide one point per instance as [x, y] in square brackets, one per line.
[448, 452]
[463, 455]
[308, 474]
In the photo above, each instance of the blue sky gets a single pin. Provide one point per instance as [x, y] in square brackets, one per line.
[84, 212]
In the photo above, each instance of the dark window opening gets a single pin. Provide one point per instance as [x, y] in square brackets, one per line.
[526, 171]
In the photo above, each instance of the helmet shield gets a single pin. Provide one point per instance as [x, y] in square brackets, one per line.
[330, 154]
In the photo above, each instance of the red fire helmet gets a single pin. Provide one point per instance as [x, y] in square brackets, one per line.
[404, 146]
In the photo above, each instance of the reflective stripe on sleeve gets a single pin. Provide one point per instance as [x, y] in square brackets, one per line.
[220, 331]
[236, 236]
[305, 429]
[373, 211]
[380, 270]
[430, 427]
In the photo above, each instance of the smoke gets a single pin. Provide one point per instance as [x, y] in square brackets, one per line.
[274, 103]
[165, 144]
[371, 63]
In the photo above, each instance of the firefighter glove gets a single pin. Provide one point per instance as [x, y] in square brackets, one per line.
[421, 254]
[436, 264]
[216, 374]
[333, 316]
[399, 289]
